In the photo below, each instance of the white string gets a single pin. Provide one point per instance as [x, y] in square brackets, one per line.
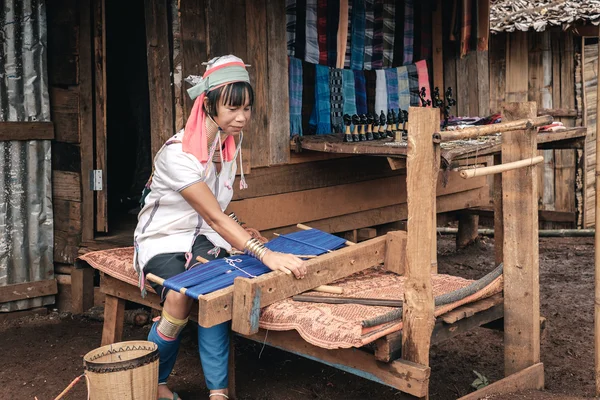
[232, 261]
[264, 344]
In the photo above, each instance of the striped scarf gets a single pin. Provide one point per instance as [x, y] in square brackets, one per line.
[312, 35]
[322, 30]
[369, 23]
[349, 96]
[413, 85]
[295, 87]
[360, 85]
[348, 55]
[409, 31]
[403, 89]
[377, 58]
[337, 99]
[290, 18]
[333, 15]
[423, 76]
[389, 9]
[358, 34]
[381, 97]
[371, 78]
[320, 119]
[391, 81]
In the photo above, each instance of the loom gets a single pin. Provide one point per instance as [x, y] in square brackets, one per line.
[220, 273]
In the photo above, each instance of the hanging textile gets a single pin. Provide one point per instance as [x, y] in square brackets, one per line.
[413, 85]
[300, 50]
[381, 100]
[399, 36]
[371, 83]
[426, 40]
[391, 81]
[320, 120]
[295, 87]
[342, 35]
[409, 31]
[348, 56]
[360, 86]
[337, 100]
[322, 30]
[358, 34]
[349, 92]
[465, 31]
[389, 9]
[403, 88]
[377, 58]
[369, 23]
[423, 76]
[312, 36]
[308, 92]
[290, 18]
[333, 15]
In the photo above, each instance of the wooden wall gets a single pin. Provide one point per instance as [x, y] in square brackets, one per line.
[590, 84]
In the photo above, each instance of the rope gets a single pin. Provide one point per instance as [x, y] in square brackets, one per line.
[71, 385]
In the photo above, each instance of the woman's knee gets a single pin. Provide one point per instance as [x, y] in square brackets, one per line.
[177, 304]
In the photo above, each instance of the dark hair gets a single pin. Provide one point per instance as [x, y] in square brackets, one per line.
[233, 94]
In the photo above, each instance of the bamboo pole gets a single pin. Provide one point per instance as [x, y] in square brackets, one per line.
[541, 232]
[496, 169]
[475, 132]
[306, 228]
[597, 244]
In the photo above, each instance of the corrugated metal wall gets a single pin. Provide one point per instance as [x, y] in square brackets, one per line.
[26, 221]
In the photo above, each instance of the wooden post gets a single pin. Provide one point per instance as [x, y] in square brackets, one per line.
[114, 316]
[521, 249]
[421, 189]
[395, 252]
[82, 289]
[246, 306]
[437, 160]
[498, 214]
[597, 248]
[468, 224]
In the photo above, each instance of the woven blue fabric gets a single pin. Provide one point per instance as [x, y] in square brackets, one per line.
[391, 80]
[358, 34]
[349, 92]
[295, 89]
[360, 86]
[320, 119]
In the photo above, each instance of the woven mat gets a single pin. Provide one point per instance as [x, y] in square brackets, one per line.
[334, 326]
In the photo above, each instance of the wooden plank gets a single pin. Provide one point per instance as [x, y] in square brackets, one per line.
[64, 105]
[275, 211]
[559, 112]
[27, 290]
[483, 82]
[466, 69]
[113, 287]
[246, 306]
[114, 316]
[86, 119]
[10, 130]
[99, 32]
[421, 183]
[396, 163]
[67, 216]
[516, 63]
[66, 247]
[278, 95]
[257, 56]
[216, 307]
[402, 375]
[530, 378]
[365, 234]
[497, 61]
[395, 252]
[438, 46]
[162, 123]
[82, 290]
[194, 49]
[66, 186]
[521, 250]
[471, 309]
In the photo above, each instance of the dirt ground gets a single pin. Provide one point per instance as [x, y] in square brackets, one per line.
[41, 356]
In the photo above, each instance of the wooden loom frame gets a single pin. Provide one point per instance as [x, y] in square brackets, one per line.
[413, 255]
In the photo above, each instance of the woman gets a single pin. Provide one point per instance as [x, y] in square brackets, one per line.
[182, 215]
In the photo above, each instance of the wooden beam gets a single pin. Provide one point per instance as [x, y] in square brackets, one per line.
[216, 307]
[402, 375]
[420, 184]
[559, 112]
[114, 317]
[246, 306]
[27, 290]
[395, 252]
[530, 378]
[26, 130]
[162, 123]
[521, 249]
[82, 290]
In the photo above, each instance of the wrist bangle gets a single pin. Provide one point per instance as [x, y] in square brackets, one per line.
[255, 249]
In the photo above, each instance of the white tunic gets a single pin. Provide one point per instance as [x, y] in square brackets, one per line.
[167, 223]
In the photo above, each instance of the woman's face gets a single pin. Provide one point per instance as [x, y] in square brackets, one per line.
[232, 119]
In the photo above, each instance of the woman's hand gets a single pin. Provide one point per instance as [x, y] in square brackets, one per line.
[287, 263]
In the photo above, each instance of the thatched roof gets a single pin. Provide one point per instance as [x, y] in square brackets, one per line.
[523, 15]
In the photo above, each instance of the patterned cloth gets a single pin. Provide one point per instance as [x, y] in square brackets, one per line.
[413, 85]
[371, 78]
[333, 15]
[312, 35]
[409, 31]
[342, 34]
[389, 9]
[423, 75]
[391, 80]
[381, 97]
[295, 87]
[377, 58]
[348, 55]
[360, 85]
[290, 18]
[300, 51]
[369, 23]
[358, 34]
[337, 100]
[320, 120]
[349, 92]
[403, 88]
[322, 30]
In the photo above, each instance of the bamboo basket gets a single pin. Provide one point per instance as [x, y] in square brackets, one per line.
[122, 371]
